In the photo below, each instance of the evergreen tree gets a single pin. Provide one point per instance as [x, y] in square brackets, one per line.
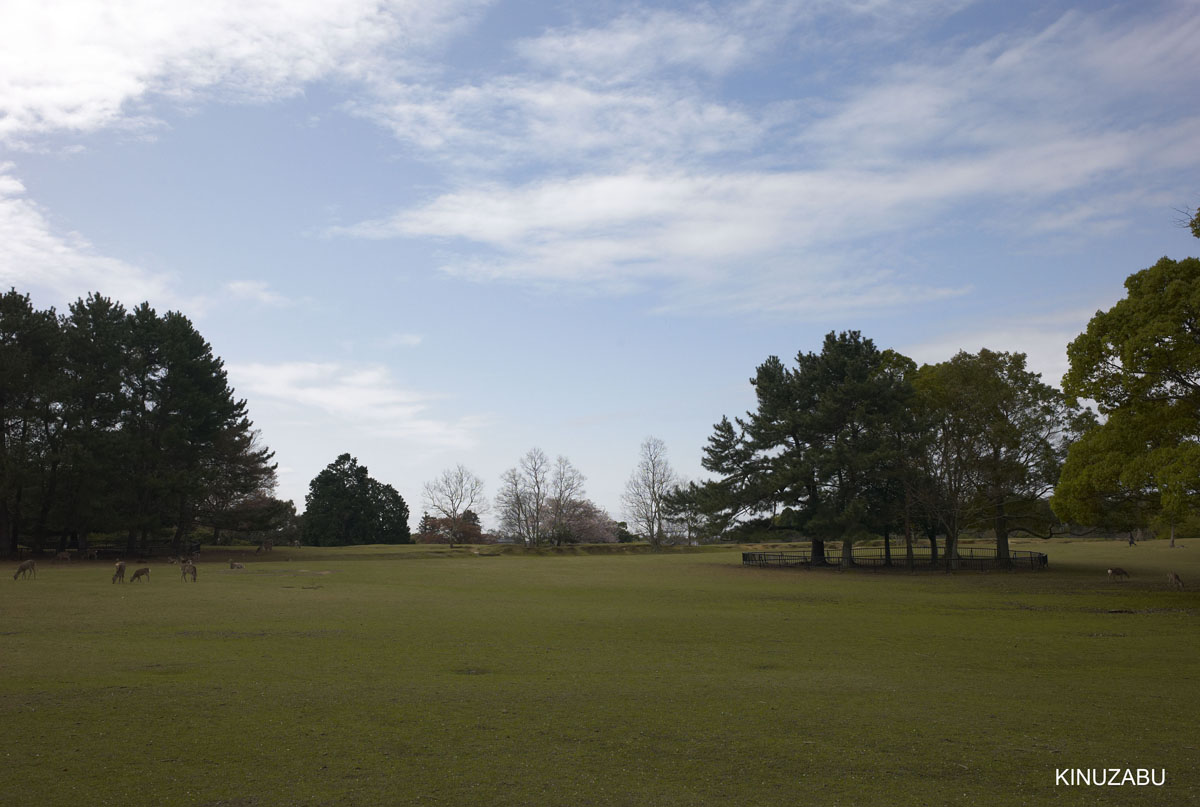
[346, 506]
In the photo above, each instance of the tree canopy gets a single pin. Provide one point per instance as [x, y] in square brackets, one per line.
[345, 506]
[1140, 362]
[116, 420]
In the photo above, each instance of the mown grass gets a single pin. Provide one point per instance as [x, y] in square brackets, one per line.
[424, 675]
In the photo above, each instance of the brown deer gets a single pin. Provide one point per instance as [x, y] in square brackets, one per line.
[63, 556]
[1116, 573]
[119, 573]
[235, 565]
[138, 574]
[1174, 580]
[25, 569]
[186, 569]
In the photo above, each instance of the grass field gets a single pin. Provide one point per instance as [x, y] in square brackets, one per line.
[416, 675]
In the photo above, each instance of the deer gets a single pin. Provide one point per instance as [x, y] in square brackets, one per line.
[1116, 573]
[25, 569]
[1174, 580]
[138, 574]
[186, 569]
[234, 565]
[119, 574]
[63, 556]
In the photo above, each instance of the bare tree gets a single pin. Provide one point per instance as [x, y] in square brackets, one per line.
[647, 488]
[522, 500]
[566, 494]
[454, 492]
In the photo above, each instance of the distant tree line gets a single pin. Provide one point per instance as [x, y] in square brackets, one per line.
[116, 421]
[855, 442]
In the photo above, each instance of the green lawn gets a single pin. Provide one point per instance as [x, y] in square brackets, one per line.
[418, 675]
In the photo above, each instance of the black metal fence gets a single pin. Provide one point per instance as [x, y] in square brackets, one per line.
[978, 558]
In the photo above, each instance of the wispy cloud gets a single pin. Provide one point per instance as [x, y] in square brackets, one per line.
[364, 397]
[63, 266]
[76, 65]
[643, 175]
[256, 291]
[403, 340]
[1043, 338]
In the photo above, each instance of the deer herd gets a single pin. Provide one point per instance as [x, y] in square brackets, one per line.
[187, 569]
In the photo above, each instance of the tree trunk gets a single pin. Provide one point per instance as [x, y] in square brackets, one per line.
[951, 552]
[182, 527]
[887, 547]
[39, 527]
[818, 553]
[908, 536]
[1003, 556]
[1172, 535]
[8, 534]
[847, 549]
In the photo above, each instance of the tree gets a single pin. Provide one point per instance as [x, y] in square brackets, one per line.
[29, 350]
[453, 492]
[998, 436]
[114, 420]
[1140, 362]
[93, 400]
[564, 501]
[816, 443]
[522, 499]
[647, 489]
[346, 506]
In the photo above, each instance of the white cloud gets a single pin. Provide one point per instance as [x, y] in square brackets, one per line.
[1021, 122]
[36, 258]
[404, 340]
[366, 398]
[79, 65]
[514, 121]
[256, 291]
[1043, 338]
[76, 66]
[636, 45]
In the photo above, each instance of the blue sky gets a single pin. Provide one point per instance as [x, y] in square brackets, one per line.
[431, 234]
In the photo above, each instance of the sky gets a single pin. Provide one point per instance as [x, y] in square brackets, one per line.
[439, 233]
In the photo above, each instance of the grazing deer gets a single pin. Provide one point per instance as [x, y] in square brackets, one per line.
[119, 574]
[234, 565]
[1174, 580]
[185, 570]
[25, 569]
[138, 574]
[63, 556]
[1116, 573]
